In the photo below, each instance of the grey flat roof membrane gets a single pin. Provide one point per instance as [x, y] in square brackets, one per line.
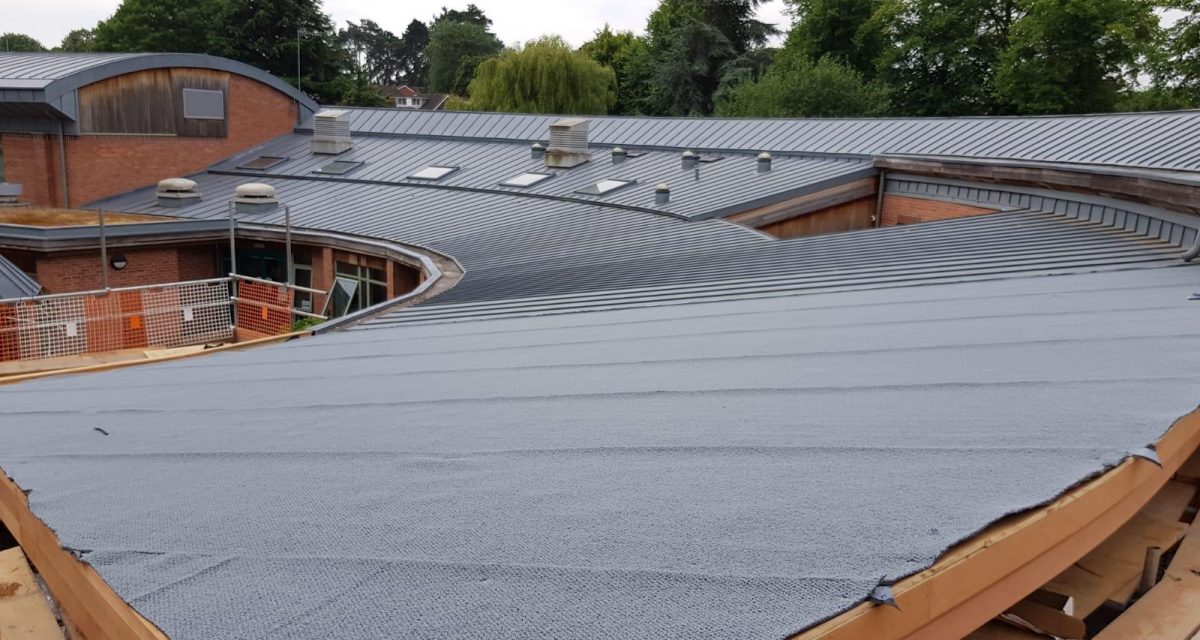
[723, 470]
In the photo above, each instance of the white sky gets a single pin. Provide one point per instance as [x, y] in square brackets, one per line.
[514, 21]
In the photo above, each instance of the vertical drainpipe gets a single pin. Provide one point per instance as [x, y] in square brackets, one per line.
[62, 165]
[879, 198]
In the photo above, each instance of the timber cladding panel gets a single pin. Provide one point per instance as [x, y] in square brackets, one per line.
[150, 102]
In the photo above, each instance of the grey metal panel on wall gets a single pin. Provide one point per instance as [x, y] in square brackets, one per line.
[1151, 140]
[15, 283]
[1173, 228]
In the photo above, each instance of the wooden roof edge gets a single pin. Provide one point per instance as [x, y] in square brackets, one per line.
[988, 573]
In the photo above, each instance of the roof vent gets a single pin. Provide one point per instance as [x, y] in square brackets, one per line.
[568, 143]
[254, 197]
[618, 155]
[764, 162]
[662, 193]
[176, 193]
[331, 132]
[536, 151]
[690, 159]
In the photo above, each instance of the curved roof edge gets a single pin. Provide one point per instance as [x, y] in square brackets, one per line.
[115, 66]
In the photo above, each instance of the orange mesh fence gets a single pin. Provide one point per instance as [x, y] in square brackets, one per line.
[264, 308]
[149, 317]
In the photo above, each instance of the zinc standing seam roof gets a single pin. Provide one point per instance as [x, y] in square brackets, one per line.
[15, 283]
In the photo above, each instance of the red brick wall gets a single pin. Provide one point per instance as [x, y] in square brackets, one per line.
[103, 165]
[908, 210]
[80, 271]
[31, 160]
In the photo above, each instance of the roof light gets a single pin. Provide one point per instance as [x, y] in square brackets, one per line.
[261, 162]
[339, 167]
[608, 185]
[434, 172]
[527, 179]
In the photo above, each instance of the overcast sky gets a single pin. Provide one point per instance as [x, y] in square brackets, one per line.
[514, 20]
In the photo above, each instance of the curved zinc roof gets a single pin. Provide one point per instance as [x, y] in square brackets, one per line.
[46, 77]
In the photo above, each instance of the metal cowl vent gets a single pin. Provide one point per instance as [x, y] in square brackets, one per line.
[176, 193]
[255, 197]
[331, 132]
[568, 143]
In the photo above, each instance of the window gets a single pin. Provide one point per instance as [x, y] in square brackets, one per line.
[605, 186]
[339, 167]
[526, 179]
[711, 159]
[203, 104]
[260, 163]
[372, 284]
[433, 173]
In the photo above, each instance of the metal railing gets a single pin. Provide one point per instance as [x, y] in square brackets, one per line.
[146, 317]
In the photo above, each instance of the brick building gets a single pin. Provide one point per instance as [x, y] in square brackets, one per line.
[75, 128]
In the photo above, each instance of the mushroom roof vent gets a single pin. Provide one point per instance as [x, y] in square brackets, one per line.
[254, 197]
[176, 192]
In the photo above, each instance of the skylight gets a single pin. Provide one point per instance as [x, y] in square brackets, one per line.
[434, 172]
[710, 159]
[261, 162]
[608, 185]
[526, 179]
[339, 167]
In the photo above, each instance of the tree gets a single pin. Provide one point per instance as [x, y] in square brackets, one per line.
[266, 34]
[626, 54]
[1177, 66]
[471, 15]
[942, 57]
[375, 51]
[845, 30]
[691, 44]
[186, 26]
[455, 50]
[20, 42]
[1073, 56]
[413, 58]
[795, 86]
[545, 76]
[79, 40]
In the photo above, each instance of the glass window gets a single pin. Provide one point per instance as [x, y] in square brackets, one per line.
[607, 185]
[371, 284]
[261, 162]
[302, 277]
[526, 179]
[433, 173]
[339, 167]
[203, 104]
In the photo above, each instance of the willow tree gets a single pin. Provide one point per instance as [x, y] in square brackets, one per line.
[546, 76]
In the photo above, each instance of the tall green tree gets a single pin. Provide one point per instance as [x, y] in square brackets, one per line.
[795, 86]
[628, 57]
[692, 44]
[845, 30]
[187, 26]
[375, 51]
[471, 15]
[455, 50]
[78, 41]
[19, 42]
[1176, 64]
[942, 57]
[545, 76]
[413, 56]
[1075, 56]
[267, 34]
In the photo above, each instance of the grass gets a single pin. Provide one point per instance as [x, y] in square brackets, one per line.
[42, 217]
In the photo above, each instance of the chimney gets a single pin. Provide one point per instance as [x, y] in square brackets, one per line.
[568, 143]
[764, 162]
[255, 197]
[536, 151]
[618, 155]
[176, 193]
[662, 193]
[331, 132]
[690, 159]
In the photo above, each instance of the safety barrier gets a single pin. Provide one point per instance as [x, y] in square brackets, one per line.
[146, 317]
